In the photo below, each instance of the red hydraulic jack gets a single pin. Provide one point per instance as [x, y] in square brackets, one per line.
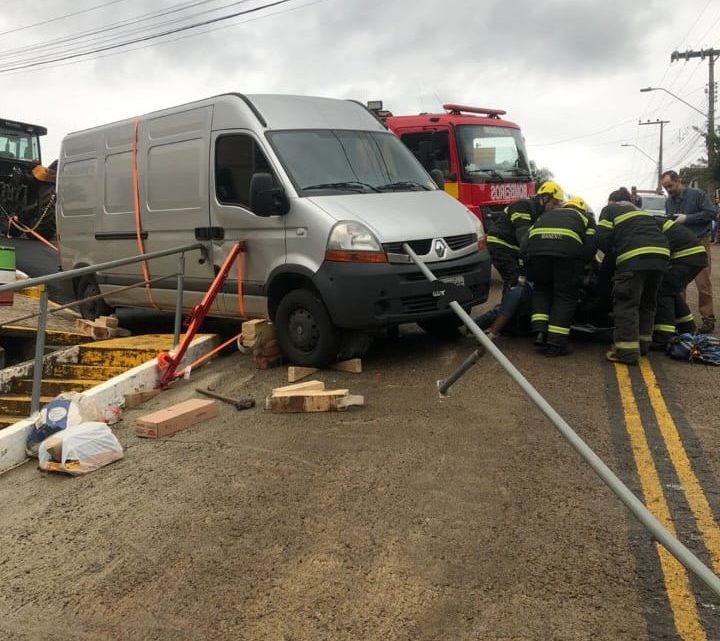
[169, 361]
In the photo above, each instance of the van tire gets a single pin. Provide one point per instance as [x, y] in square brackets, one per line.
[87, 286]
[304, 329]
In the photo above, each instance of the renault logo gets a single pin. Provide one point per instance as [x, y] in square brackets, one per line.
[440, 247]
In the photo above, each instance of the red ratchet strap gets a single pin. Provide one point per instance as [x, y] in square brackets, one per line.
[16, 223]
[168, 362]
[138, 222]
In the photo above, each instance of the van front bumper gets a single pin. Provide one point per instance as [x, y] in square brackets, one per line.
[369, 295]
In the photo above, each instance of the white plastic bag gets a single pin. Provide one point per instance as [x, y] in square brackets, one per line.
[65, 410]
[79, 449]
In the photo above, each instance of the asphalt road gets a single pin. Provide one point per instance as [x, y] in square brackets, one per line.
[412, 518]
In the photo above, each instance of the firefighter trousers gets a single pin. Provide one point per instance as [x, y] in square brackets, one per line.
[634, 301]
[672, 313]
[556, 290]
[507, 263]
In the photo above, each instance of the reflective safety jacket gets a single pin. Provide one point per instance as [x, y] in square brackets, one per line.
[565, 232]
[633, 236]
[509, 229]
[685, 247]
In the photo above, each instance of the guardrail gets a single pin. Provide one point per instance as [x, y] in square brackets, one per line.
[42, 313]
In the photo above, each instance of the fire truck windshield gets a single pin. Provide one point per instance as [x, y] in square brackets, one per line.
[19, 145]
[338, 162]
[491, 154]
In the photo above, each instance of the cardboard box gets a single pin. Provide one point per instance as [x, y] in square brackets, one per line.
[167, 421]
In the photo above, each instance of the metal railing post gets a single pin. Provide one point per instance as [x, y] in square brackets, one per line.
[39, 352]
[179, 299]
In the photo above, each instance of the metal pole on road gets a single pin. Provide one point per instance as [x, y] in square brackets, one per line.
[638, 509]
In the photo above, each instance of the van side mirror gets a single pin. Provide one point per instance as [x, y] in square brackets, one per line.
[265, 198]
[437, 176]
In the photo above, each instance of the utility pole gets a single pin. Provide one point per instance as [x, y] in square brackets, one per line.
[662, 123]
[711, 55]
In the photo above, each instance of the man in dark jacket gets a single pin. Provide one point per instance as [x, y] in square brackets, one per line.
[509, 230]
[641, 257]
[692, 207]
[687, 259]
[560, 243]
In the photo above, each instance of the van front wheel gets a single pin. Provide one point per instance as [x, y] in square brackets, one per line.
[304, 329]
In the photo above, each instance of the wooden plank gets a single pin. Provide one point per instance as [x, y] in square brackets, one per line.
[313, 401]
[136, 399]
[173, 419]
[299, 387]
[353, 365]
[248, 328]
[106, 321]
[295, 372]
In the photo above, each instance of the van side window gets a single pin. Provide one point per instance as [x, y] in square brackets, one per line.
[237, 158]
[431, 148]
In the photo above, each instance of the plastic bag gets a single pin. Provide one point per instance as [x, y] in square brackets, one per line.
[66, 409]
[79, 449]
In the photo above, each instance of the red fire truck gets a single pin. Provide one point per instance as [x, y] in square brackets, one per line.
[482, 157]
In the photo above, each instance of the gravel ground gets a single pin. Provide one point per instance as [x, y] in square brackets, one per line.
[411, 518]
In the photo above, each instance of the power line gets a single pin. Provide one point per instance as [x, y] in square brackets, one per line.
[146, 38]
[73, 38]
[62, 17]
[168, 41]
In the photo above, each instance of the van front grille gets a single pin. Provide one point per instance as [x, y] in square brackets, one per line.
[458, 242]
[420, 247]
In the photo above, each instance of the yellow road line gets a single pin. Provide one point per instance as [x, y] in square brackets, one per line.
[682, 602]
[693, 490]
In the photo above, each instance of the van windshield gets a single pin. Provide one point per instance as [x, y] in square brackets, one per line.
[341, 162]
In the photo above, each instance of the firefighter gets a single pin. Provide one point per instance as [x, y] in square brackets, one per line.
[687, 259]
[641, 255]
[510, 228]
[560, 244]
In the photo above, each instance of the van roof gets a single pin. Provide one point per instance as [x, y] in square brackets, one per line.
[279, 111]
[311, 112]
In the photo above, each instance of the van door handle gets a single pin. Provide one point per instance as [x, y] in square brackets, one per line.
[209, 233]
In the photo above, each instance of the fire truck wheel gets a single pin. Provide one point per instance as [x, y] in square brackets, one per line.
[304, 329]
[87, 286]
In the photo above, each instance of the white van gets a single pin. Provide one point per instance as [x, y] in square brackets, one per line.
[321, 192]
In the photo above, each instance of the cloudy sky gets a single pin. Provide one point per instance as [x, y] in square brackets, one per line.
[568, 71]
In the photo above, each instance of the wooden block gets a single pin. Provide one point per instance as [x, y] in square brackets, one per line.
[99, 333]
[106, 321]
[248, 329]
[353, 365]
[311, 401]
[299, 387]
[257, 332]
[136, 399]
[170, 420]
[295, 373]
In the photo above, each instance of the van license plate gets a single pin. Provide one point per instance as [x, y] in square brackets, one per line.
[454, 280]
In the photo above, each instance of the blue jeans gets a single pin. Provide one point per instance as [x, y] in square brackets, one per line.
[515, 304]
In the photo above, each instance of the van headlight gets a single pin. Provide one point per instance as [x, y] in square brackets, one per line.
[351, 242]
[479, 230]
